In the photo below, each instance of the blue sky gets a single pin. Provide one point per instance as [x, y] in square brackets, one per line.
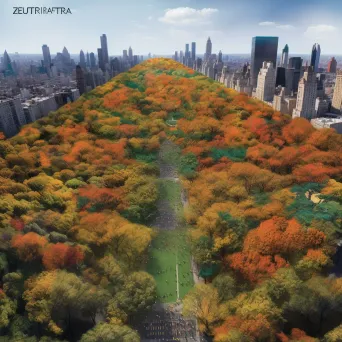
[163, 26]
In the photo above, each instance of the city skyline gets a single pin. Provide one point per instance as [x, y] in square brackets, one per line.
[161, 27]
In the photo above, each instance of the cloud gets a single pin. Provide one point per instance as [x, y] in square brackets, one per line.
[187, 16]
[150, 17]
[320, 29]
[267, 23]
[285, 27]
[279, 26]
[321, 32]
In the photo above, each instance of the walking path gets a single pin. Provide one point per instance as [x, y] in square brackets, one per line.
[170, 263]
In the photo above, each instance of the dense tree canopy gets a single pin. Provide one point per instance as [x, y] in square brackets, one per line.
[78, 190]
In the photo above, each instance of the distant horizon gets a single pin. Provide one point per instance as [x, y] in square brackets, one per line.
[168, 54]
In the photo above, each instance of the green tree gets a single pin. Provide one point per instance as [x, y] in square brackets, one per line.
[226, 286]
[105, 332]
[203, 303]
[138, 293]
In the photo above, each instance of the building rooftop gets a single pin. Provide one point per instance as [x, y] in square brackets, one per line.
[328, 121]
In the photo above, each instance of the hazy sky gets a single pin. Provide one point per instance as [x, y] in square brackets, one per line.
[163, 26]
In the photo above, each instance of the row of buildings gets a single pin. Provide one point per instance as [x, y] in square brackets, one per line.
[31, 89]
[15, 113]
[285, 83]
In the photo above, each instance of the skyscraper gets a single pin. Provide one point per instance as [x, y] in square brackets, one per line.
[124, 54]
[285, 57]
[315, 55]
[193, 51]
[80, 79]
[46, 56]
[266, 82]
[336, 105]
[130, 54]
[92, 60]
[88, 60]
[100, 58]
[176, 55]
[208, 49]
[296, 64]
[12, 116]
[220, 57]
[82, 59]
[280, 76]
[7, 64]
[104, 49]
[264, 49]
[332, 65]
[66, 54]
[306, 97]
[187, 51]
[181, 56]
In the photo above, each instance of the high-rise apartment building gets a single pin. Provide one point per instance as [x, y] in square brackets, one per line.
[306, 97]
[46, 56]
[100, 58]
[266, 82]
[263, 49]
[92, 60]
[295, 63]
[315, 55]
[80, 80]
[336, 105]
[130, 54]
[82, 59]
[208, 49]
[193, 51]
[104, 49]
[88, 60]
[285, 57]
[332, 65]
[220, 57]
[12, 116]
[66, 54]
[187, 51]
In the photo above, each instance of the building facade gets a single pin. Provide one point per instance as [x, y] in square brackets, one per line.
[12, 116]
[193, 51]
[263, 49]
[208, 49]
[285, 57]
[336, 105]
[306, 97]
[315, 56]
[266, 82]
[104, 49]
[332, 65]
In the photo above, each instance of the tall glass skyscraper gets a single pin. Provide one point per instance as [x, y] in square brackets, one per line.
[46, 56]
[315, 55]
[187, 51]
[264, 49]
[104, 48]
[193, 51]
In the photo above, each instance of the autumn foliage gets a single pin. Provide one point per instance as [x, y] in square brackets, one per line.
[78, 189]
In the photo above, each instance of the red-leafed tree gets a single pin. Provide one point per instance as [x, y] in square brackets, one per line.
[30, 246]
[60, 255]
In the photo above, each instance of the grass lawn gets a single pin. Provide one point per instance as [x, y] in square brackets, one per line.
[168, 246]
